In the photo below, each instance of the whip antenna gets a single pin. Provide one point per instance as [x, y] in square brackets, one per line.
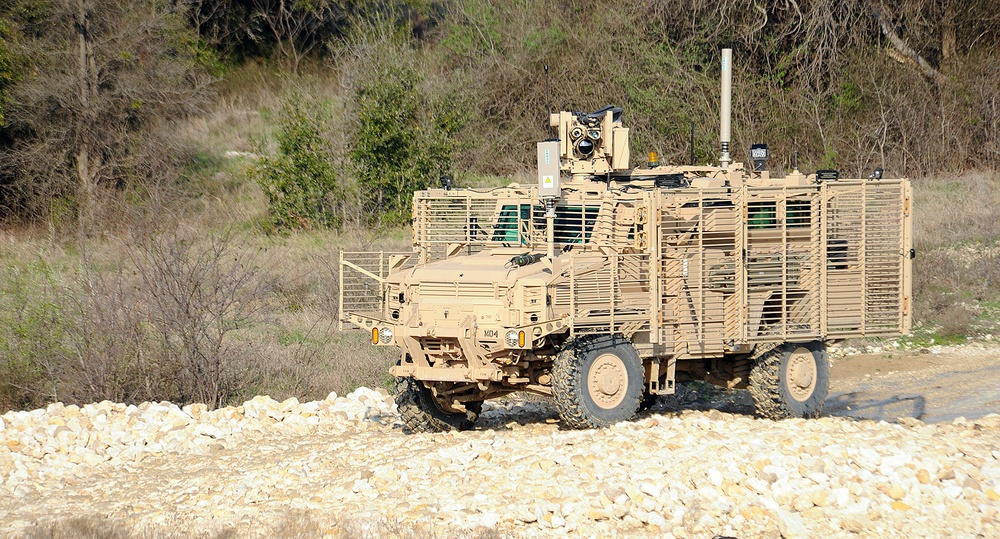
[548, 100]
[692, 144]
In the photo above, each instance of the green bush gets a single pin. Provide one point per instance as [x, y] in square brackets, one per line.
[9, 68]
[300, 181]
[404, 136]
[32, 330]
[389, 163]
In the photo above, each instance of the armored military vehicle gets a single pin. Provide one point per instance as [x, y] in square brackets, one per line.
[603, 285]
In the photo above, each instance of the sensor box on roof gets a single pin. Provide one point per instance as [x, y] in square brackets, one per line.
[548, 169]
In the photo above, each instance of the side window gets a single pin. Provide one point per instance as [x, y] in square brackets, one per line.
[508, 226]
[797, 214]
[573, 224]
[761, 215]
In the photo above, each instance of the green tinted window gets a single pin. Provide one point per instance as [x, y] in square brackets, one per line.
[797, 213]
[573, 224]
[762, 215]
[509, 224]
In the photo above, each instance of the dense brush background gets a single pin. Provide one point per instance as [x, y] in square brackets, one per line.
[177, 176]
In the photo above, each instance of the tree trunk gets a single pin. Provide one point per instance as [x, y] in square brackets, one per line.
[949, 39]
[86, 160]
[901, 52]
[85, 190]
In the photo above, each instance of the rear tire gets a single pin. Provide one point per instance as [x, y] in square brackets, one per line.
[597, 382]
[791, 380]
[421, 413]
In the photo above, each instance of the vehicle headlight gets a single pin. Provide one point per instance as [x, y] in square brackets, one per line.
[515, 338]
[381, 335]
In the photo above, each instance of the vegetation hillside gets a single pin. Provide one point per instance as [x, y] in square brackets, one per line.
[177, 176]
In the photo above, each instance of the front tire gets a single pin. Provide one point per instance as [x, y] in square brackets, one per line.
[791, 380]
[597, 382]
[421, 412]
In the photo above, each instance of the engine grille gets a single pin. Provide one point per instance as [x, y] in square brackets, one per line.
[458, 290]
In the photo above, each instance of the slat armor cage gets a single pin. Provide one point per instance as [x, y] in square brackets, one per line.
[693, 272]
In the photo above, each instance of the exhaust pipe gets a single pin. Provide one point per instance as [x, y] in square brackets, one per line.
[725, 133]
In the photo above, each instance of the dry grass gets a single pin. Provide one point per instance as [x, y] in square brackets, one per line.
[957, 210]
[957, 237]
[77, 323]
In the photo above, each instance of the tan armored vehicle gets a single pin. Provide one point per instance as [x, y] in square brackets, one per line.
[603, 285]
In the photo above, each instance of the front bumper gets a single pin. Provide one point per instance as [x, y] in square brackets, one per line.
[481, 353]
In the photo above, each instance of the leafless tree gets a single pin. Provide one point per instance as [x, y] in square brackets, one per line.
[100, 74]
[109, 339]
[297, 27]
[197, 294]
[221, 24]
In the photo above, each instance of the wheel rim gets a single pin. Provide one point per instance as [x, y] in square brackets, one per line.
[607, 381]
[442, 407]
[800, 376]
[441, 403]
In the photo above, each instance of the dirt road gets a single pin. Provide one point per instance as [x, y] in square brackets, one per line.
[932, 385]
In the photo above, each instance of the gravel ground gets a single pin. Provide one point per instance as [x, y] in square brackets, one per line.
[345, 460]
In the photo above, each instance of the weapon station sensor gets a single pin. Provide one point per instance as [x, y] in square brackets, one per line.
[759, 155]
[549, 189]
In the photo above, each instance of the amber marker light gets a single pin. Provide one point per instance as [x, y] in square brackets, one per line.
[374, 335]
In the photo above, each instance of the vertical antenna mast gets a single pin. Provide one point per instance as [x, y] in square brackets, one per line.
[725, 133]
[692, 144]
[548, 100]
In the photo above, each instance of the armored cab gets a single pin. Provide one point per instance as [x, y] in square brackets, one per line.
[603, 285]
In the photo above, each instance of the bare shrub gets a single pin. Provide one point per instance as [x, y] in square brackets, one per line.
[299, 351]
[198, 294]
[217, 319]
[956, 319]
[113, 351]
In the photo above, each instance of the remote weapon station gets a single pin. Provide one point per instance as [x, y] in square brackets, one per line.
[603, 286]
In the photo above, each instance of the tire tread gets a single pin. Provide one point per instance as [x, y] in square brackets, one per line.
[765, 384]
[567, 381]
[419, 413]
